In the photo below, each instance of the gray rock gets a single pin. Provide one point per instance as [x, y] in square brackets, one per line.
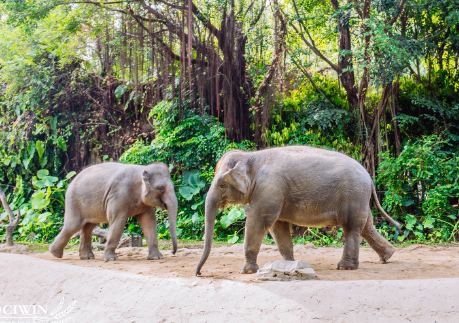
[285, 270]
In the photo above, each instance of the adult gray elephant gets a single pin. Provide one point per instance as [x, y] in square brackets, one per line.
[298, 185]
[113, 192]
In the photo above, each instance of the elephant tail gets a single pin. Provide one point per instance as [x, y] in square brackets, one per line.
[379, 207]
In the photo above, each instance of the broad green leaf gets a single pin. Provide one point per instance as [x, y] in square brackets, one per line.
[62, 144]
[131, 96]
[29, 216]
[187, 192]
[235, 215]
[195, 205]
[54, 123]
[42, 173]
[189, 173]
[196, 217]
[50, 180]
[40, 148]
[19, 184]
[120, 91]
[70, 175]
[225, 221]
[40, 201]
[42, 217]
[43, 161]
[60, 184]
[233, 239]
[31, 149]
[38, 183]
[26, 162]
[195, 181]
[407, 202]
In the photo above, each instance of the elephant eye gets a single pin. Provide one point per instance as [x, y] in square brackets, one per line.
[223, 185]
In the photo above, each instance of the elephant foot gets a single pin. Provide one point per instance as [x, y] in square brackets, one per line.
[154, 255]
[248, 268]
[56, 252]
[348, 264]
[85, 255]
[385, 256]
[109, 256]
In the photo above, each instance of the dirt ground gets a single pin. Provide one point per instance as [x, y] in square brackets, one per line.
[418, 284]
[414, 262]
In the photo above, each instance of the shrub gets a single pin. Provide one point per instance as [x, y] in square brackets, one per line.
[420, 188]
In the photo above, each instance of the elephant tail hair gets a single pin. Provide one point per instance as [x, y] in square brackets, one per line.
[378, 205]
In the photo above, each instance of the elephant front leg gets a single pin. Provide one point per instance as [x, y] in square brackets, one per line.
[259, 220]
[115, 230]
[147, 221]
[283, 238]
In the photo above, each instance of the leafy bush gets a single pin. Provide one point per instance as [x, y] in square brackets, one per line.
[194, 142]
[420, 188]
[42, 208]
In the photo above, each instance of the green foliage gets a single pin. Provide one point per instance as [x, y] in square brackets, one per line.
[192, 148]
[195, 141]
[420, 187]
[319, 237]
[42, 207]
[309, 119]
[233, 217]
[46, 60]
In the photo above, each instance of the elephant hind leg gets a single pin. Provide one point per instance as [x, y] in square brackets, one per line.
[86, 241]
[71, 226]
[350, 258]
[353, 226]
[283, 238]
[383, 248]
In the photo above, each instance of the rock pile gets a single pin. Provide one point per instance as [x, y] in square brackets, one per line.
[285, 270]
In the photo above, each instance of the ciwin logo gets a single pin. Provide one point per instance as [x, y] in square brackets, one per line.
[36, 313]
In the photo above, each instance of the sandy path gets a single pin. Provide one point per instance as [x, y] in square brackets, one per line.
[414, 262]
[103, 295]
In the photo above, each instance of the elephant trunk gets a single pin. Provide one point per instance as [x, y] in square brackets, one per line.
[171, 203]
[211, 214]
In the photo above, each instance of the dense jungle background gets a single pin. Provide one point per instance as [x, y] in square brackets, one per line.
[183, 81]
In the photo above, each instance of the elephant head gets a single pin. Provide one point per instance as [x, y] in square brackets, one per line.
[158, 191]
[230, 186]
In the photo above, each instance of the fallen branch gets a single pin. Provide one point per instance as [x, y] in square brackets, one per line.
[125, 241]
[13, 222]
[98, 232]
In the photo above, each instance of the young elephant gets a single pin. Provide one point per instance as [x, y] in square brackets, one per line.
[112, 192]
[299, 185]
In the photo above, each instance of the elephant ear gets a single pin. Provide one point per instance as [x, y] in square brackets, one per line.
[145, 183]
[237, 177]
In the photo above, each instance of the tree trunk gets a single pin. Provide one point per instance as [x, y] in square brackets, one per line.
[13, 222]
[345, 62]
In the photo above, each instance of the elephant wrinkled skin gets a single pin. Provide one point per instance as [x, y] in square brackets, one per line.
[298, 185]
[111, 193]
